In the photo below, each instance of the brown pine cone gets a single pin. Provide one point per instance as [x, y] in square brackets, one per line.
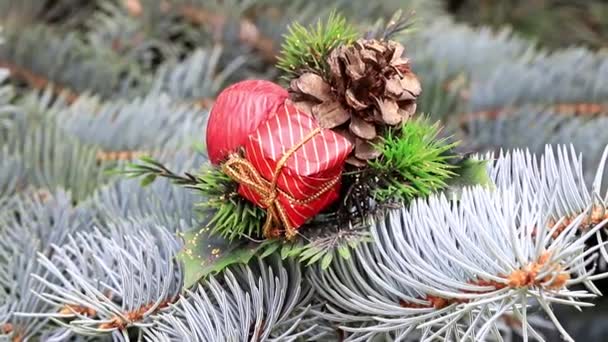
[370, 86]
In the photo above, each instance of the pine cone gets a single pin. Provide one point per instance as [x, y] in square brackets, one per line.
[370, 86]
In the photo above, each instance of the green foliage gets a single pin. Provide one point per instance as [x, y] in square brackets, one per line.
[469, 172]
[231, 216]
[542, 20]
[317, 246]
[414, 162]
[204, 254]
[308, 48]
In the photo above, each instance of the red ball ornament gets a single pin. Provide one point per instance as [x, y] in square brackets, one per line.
[237, 112]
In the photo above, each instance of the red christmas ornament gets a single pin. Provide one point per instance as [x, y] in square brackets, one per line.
[237, 112]
[291, 167]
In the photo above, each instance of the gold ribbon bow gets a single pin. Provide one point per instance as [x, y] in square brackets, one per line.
[242, 171]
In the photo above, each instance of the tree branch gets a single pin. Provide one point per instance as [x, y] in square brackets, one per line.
[38, 81]
[573, 109]
[249, 34]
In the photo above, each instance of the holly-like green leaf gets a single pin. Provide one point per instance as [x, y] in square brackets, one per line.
[204, 254]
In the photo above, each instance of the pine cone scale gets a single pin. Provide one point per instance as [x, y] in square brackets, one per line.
[355, 66]
[365, 150]
[362, 128]
[305, 106]
[353, 102]
[354, 161]
[369, 57]
[408, 109]
[411, 83]
[330, 114]
[390, 112]
[312, 85]
[393, 88]
[397, 57]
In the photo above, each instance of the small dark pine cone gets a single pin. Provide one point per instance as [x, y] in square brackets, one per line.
[370, 86]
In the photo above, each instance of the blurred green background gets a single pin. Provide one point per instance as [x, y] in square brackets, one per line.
[552, 23]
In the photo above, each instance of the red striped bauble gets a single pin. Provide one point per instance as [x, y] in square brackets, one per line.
[237, 112]
[309, 180]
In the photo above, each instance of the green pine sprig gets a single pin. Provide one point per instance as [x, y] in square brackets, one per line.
[231, 216]
[414, 162]
[307, 48]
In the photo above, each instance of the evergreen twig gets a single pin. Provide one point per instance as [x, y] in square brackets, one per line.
[308, 48]
[232, 215]
[38, 82]
[414, 162]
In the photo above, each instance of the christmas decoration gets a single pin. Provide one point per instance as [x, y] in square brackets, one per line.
[419, 243]
[370, 86]
[292, 167]
[237, 112]
[279, 175]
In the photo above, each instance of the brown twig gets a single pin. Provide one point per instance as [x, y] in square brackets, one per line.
[572, 109]
[205, 102]
[435, 302]
[597, 215]
[249, 34]
[8, 328]
[70, 309]
[103, 156]
[133, 7]
[526, 276]
[38, 81]
[42, 194]
[122, 322]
